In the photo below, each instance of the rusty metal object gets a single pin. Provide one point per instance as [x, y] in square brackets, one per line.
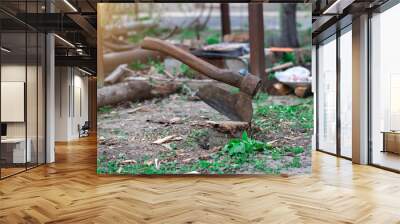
[236, 106]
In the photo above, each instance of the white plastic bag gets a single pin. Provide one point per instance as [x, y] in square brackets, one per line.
[295, 76]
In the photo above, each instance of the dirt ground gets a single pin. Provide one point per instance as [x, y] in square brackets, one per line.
[127, 132]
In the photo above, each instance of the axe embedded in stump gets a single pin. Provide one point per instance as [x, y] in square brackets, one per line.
[236, 106]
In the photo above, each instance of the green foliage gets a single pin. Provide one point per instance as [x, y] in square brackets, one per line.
[105, 109]
[260, 98]
[271, 76]
[288, 57]
[234, 90]
[187, 33]
[213, 38]
[296, 149]
[149, 32]
[137, 65]
[194, 137]
[186, 71]
[158, 65]
[296, 162]
[276, 154]
[144, 18]
[243, 147]
[300, 115]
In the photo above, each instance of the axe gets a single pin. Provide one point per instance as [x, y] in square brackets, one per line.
[236, 106]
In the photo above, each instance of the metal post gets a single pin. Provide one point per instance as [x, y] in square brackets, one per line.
[225, 19]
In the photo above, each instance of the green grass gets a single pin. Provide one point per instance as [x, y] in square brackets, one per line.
[235, 155]
[149, 32]
[270, 116]
[105, 109]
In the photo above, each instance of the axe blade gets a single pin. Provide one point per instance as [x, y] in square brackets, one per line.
[236, 106]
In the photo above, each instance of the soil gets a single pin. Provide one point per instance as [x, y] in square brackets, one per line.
[127, 132]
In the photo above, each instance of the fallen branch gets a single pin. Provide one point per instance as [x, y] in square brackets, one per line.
[279, 67]
[116, 75]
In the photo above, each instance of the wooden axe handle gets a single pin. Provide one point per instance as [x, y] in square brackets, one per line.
[248, 84]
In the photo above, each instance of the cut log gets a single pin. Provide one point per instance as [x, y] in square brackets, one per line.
[134, 91]
[279, 67]
[279, 89]
[116, 75]
[302, 91]
[113, 60]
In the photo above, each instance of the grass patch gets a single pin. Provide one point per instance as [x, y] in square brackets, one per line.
[271, 116]
[105, 109]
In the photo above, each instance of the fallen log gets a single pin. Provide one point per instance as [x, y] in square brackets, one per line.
[279, 89]
[139, 88]
[193, 84]
[116, 75]
[113, 60]
[134, 91]
[302, 91]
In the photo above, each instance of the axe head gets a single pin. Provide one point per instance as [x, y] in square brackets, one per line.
[236, 106]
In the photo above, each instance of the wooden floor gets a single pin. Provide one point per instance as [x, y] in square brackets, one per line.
[69, 191]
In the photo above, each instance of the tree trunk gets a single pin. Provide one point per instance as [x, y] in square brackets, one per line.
[289, 36]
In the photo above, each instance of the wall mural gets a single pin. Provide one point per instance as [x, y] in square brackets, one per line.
[176, 94]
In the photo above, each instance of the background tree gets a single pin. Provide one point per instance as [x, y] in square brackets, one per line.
[289, 36]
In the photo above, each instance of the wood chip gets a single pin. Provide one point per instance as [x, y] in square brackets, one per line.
[138, 109]
[176, 120]
[187, 160]
[167, 139]
[230, 127]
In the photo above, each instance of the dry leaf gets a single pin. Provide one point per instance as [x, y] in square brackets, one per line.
[157, 163]
[175, 120]
[129, 161]
[149, 162]
[193, 172]
[187, 160]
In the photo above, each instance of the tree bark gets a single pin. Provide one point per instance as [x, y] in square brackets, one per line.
[289, 36]
[116, 75]
[134, 91]
[138, 88]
